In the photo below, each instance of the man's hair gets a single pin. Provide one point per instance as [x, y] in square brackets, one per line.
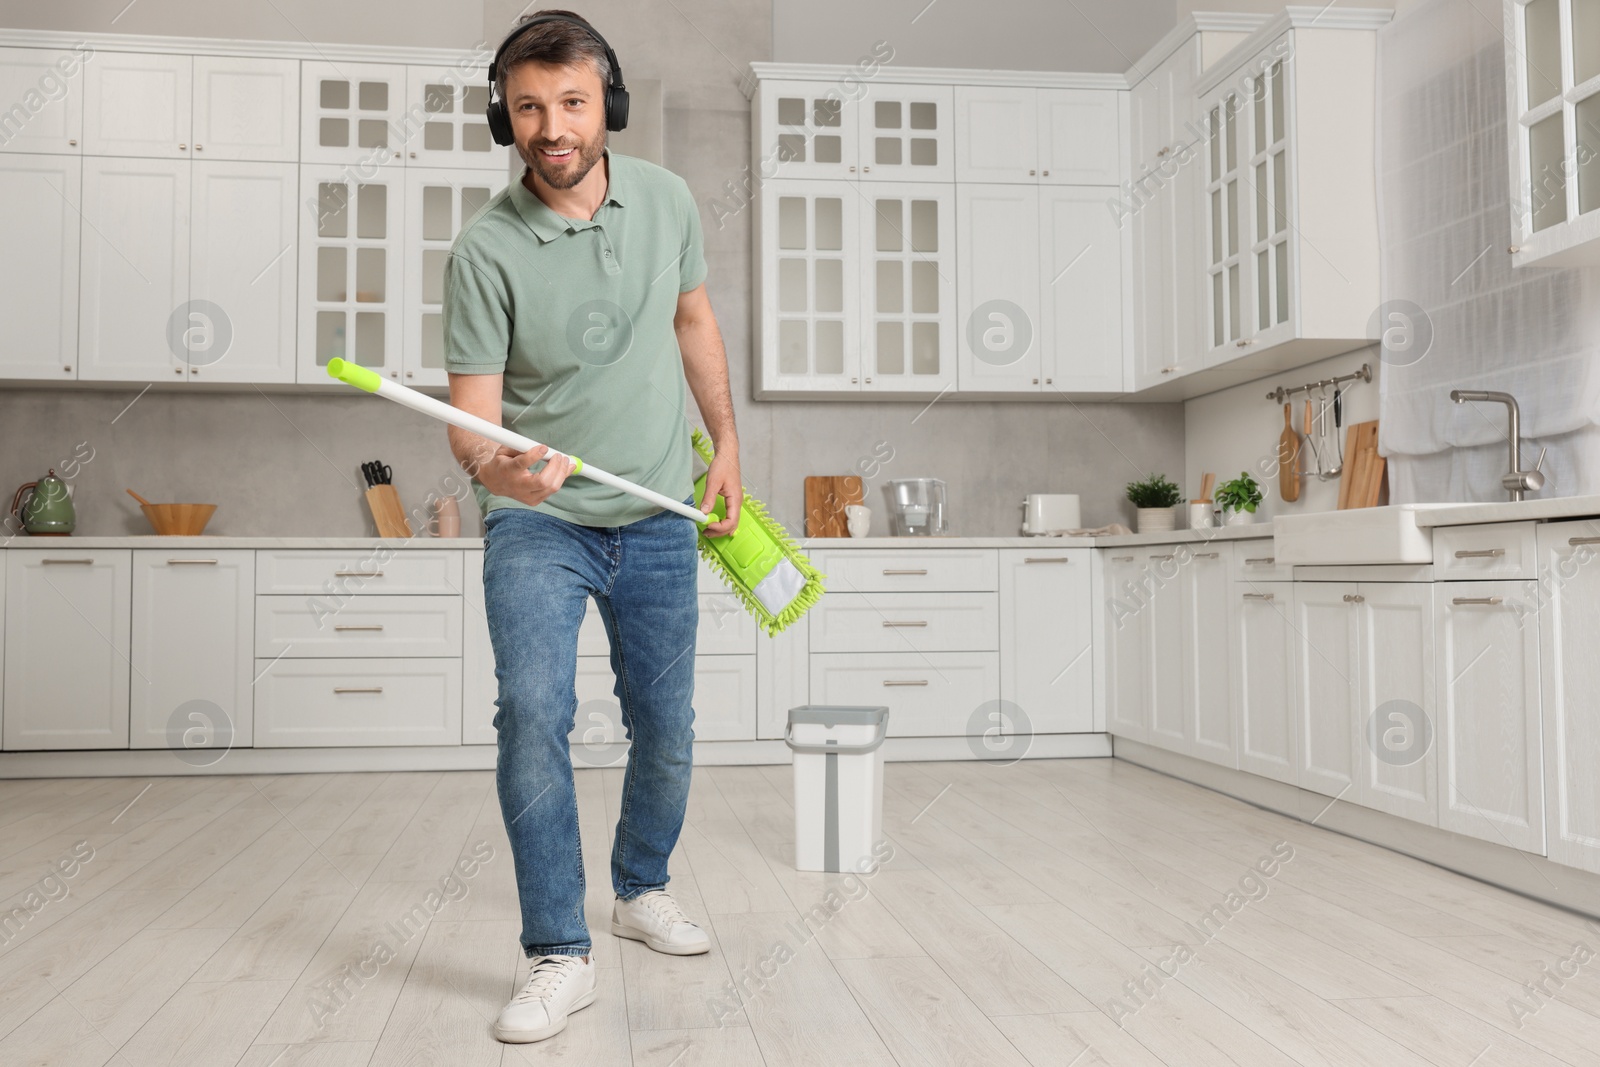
[558, 43]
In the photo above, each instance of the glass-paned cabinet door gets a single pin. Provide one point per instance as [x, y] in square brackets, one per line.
[1223, 200]
[810, 286]
[908, 288]
[350, 270]
[1270, 247]
[905, 133]
[351, 112]
[438, 204]
[807, 130]
[445, 124]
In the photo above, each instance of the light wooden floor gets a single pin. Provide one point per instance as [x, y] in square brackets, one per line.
[1022, 906]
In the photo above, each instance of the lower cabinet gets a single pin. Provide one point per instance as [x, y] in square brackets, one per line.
[1568, 594]
[1046, 656]
[303, 703]
[1491, 754]
[1262, 679]
[66, 649]
[1204, 585]
[193, 660]
[951, 693]
[1125, 637]
[1326, 675]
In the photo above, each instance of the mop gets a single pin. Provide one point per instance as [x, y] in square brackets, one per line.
[760, 563]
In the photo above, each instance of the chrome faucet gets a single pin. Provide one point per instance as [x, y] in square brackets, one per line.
[1517, 480]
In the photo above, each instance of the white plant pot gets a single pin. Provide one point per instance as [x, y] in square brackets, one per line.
[1156, 520]
[1241, 518]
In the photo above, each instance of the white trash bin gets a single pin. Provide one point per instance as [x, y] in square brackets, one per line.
[838, 785]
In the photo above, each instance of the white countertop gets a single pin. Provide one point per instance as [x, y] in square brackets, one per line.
[1560, 507]
[209, 542]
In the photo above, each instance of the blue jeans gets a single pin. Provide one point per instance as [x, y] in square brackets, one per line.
[538, 572]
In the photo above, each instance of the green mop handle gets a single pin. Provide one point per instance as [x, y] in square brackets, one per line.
[372, 382]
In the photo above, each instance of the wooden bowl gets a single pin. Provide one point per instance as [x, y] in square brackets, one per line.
[178, 520]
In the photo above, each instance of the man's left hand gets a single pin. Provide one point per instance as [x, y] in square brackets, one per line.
[722, 479]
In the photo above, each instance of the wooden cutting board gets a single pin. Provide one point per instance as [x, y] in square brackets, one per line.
[826, 498]
[1361, 484]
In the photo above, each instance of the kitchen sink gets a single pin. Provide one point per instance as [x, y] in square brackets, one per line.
[1388, 534]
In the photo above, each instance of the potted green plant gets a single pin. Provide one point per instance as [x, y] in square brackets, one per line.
[1155, 498]
[1239, 498]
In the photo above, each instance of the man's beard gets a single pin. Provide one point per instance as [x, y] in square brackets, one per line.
[568, 174]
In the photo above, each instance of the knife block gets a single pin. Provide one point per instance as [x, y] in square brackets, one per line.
[384, 503]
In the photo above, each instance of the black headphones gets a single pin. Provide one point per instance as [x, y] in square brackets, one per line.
[616, 93]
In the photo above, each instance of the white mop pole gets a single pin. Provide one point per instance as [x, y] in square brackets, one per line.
[370, 381]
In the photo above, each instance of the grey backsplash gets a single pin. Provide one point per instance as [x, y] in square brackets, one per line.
[287, 464]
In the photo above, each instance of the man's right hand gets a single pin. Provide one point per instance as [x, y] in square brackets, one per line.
[507, 474]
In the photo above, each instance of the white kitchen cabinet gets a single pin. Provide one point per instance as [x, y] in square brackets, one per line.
[437, 204]
[40, 211]
[951, 695]
[66, 648]
[246, 108]
[1327, 646]
[1125, 635]
[1262, 678]
[1491, 754]
[1082, 314]
[997, 134]
[725, 698]
[314, 703]
[1164, 682]
[1397, 764]
[904, 622]
[1569, 617]
[244, 232]
[479, 686]
[806, 129]
[1046, 658]
[808, 278]
[352, 113]
[1205, 586]
[358, 626]
[1080, 136]
[138, 104]
[906, 133]
[1552, 111]
[445, 124]
[43, 92]
[1289, 257]
[351, 271]
[908, 341]
[997, 288]
[192, 661]
[134, 270]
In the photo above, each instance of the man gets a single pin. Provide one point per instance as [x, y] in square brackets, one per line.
[575, 309]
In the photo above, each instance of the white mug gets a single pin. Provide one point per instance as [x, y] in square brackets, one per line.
[858, 518]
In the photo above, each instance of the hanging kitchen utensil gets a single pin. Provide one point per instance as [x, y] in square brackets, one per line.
[1338, 424]
[1288, 458]
[1311, 439]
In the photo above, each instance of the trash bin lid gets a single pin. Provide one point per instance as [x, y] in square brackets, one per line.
[838, 715]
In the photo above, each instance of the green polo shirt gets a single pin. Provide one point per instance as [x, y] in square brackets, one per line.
[577, 314]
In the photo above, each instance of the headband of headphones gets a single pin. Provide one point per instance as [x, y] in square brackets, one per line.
[616, 102]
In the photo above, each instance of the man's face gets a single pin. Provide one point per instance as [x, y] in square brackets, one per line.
[558, 117]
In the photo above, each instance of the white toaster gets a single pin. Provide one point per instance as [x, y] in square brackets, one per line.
[1048, 513]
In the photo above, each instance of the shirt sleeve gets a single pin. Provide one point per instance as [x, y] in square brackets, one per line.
[692, 262]
[477, 320]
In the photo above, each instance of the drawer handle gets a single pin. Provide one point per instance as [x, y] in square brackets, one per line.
[1169, 555]
[374, 626]
[1353, 598]
[1583, 540]
[918, 570]
[358, 574]
[1266, 560]
[1046, 559]
[919, 681]
[1258, 596]
[1206, 555]
[1121, 559]
[1473, 553]
[49, 560]
[915, 623]
[358, 689]
[191, 561]
[1475, 600]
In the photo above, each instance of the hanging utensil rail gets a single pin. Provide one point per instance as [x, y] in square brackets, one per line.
[1280, 394]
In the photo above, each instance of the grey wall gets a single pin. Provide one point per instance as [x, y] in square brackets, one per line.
[286, 464]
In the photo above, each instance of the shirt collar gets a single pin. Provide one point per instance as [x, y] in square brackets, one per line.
[546, 224]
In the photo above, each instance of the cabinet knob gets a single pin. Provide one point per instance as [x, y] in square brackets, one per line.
[1163, 152]
[1036, 381]
[183, 148]
[1168, 370]
[1513, 249]
[854, 382]
[411, 374]
[177, 370]
[1353, 598]
[1047, 174]
[72, 140]
[394, 374]
[852, 170]
[869, 381]
[865, 169]
[1030, 174]
[66, 368]
[199, 148]
[413, 155]
[1049, 381]
[1246, 341]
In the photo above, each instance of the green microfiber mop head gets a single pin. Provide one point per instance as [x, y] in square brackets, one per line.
[759, 561]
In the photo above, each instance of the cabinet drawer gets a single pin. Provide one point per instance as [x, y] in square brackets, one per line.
[301, 627]
[725, 629]
[1253, 561]
[906, 622]
[1493, 550]
[911, 570]
[307, 703]
[927, 696]
[336, 573]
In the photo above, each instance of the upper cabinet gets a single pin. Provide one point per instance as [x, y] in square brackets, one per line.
[446, 121]
[1039, 136]
[171, 106]
[246, 109]
[854, 130]
[350, 112]
[1553, 122]
[39, 87]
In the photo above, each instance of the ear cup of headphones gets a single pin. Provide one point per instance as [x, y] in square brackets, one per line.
[499, 122]
[616, 108]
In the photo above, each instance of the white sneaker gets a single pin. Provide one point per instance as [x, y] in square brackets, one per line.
[655, 918]
[557, 986]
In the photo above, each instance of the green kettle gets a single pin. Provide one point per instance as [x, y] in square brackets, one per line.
[48, 508]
